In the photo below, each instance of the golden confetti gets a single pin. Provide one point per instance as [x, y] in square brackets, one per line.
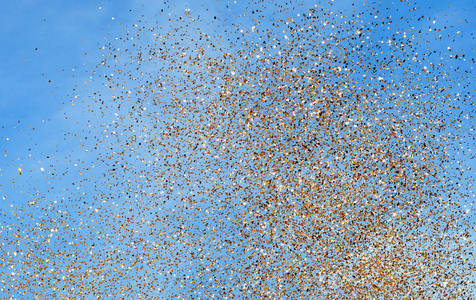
[260, 150]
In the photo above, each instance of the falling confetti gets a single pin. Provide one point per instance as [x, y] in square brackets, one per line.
[256, 150]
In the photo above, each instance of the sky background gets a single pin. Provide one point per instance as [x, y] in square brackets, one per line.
[47, 52]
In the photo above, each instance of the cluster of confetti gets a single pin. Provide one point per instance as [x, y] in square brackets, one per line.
[258, 150]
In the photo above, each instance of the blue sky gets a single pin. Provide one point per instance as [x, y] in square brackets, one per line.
[48, 53]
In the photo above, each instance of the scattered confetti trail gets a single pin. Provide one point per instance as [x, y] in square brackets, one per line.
[254, 150]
